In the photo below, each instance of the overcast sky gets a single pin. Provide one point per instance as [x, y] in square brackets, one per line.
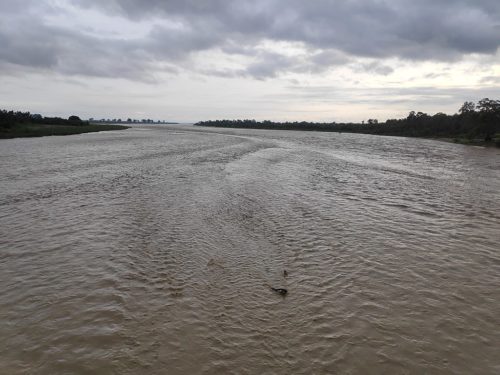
[190, 60]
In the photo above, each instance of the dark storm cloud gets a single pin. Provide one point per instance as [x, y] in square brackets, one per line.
[333, 33]
[405, 28]
[67, 52]
[270, 64]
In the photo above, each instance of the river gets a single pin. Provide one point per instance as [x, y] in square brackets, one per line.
[152, 251]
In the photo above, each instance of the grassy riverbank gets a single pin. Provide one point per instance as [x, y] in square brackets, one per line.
[398, 130]
[478, 142]
[470, 142]
[42, 130]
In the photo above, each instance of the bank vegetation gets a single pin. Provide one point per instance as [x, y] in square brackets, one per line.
[474, 123]
[25, 124]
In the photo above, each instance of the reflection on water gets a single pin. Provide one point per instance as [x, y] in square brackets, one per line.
[153, 250]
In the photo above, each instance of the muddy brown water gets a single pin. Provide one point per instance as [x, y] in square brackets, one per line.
[152, 251]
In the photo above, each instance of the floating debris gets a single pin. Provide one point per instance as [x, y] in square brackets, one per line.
[281, 291]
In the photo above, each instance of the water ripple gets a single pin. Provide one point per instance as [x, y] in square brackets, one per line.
[154, 250]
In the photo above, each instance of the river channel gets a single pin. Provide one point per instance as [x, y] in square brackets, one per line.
[153, 250]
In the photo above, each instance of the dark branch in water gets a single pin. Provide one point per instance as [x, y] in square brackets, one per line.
[281, 291]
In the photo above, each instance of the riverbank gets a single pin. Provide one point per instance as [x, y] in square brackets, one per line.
[469, 142]
[42, 130]
[386, 129]
[474, 142]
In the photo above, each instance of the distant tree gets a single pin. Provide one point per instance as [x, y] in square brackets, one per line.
[489, 106]
[467, 107]
[74, 118]
[489, 117]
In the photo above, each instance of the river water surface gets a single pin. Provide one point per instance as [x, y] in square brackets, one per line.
[152, 251]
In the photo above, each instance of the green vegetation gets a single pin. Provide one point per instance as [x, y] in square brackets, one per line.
[40, 130]
[23, 124]
[473, 124]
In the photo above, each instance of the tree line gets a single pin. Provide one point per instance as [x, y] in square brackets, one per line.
[9, 119]
[473, 121]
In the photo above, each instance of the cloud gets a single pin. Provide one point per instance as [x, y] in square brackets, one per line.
[376, 67]
[67, 52]
[360, 27]
[414, 98]
[491, 80]
[330, 33]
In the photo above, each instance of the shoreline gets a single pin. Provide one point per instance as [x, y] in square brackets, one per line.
[468, 142]
[42, 130]
[293, 127]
